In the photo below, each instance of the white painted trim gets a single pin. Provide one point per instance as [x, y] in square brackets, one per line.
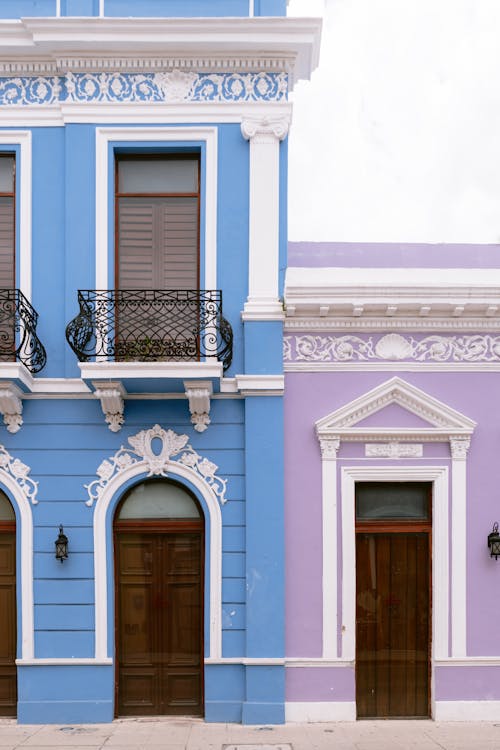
[392, 367]
[129, 113]
[166, 135]
[329, 448]
[69, 662]
[260, 385]
[441, 417]
[467, 711]
[459, 557]
[102, 574]
[22, 138]
[320, 663]
[25, 553]
[264, 135]
[60, 386]
[440, 547]
[246, 661]
[319, 711]
[468, 661]
[150, 370]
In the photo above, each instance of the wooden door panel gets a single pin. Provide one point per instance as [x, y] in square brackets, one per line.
[159, 622]
[138, 691]
[392, 624]
[182, 691]
[8, 624]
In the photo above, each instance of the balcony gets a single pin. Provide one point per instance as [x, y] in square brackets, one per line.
[158, 325]
[18, 339]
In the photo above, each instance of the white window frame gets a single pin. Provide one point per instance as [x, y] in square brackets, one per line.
[22, 139]
[166, 135]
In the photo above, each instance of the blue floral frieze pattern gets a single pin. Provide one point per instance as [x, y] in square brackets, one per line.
[168, 87]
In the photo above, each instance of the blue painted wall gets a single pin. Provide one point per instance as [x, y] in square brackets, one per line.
[144, 8]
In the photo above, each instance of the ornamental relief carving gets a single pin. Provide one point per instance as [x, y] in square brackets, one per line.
[170, 87]
[18, 471]
[174, 448]
[392, 347]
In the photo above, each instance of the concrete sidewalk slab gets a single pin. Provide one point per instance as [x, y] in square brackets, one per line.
[188, 734]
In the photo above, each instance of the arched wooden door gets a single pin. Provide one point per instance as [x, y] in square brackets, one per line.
[159, 552]
[8, 614]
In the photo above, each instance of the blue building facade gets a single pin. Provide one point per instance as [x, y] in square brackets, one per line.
[143, 219]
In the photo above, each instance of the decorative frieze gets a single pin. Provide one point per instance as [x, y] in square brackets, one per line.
[393, 450]
[392, 347]
[167, 86]
[174, 448]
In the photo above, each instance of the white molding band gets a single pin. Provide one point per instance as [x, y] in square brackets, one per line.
[466, 710]
[440, 548]
[101, 543]
[264, 135]
[64, 662]
[319, 711]
[166, 135]
[22, 138]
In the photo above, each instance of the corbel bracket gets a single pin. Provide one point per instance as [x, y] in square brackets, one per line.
[198, 393]
[110, 394]
[11, 406]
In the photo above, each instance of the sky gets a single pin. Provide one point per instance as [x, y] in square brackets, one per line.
[396, 135]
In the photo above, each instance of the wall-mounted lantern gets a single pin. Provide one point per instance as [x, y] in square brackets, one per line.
[62, 545]
[494, 542]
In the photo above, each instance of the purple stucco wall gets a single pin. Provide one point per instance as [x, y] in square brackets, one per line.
[311, 396]
[392, 255]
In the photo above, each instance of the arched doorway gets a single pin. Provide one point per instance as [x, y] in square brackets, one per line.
[159, 553]
[8, 618]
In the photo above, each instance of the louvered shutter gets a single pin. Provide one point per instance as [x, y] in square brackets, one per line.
[158, 243]
[6, 243]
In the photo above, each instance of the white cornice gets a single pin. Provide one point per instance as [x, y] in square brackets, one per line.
[294, 40]
[421, 297]
[384, 323]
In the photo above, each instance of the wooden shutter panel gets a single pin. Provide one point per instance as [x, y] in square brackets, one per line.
[7, 243]
[158, 243]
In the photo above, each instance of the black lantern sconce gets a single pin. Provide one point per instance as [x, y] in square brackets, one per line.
[62, 545]
[494, 542]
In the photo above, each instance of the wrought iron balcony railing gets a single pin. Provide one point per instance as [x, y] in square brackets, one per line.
[150, 325]
[18, 339]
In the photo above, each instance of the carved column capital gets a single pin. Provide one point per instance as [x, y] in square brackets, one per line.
[459, 446]
[329, 447]
[110, 394]
[11, 406]
[265, 129]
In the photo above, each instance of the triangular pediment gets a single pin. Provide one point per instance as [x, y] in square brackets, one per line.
[397, 408]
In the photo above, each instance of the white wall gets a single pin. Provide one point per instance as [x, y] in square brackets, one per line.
[398, 134]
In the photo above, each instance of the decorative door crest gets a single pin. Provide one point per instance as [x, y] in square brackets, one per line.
[174, 449]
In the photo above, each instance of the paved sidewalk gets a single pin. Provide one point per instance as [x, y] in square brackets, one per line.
[188, 734]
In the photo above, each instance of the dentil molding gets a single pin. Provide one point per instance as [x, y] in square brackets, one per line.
[174, 448]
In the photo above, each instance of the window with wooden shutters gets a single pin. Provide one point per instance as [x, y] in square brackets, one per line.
[7, 221]
[157, 223]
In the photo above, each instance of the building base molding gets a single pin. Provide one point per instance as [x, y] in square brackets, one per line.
[466, 710]
[318, 711]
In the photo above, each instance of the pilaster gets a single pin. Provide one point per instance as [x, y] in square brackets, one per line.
[264, 135]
